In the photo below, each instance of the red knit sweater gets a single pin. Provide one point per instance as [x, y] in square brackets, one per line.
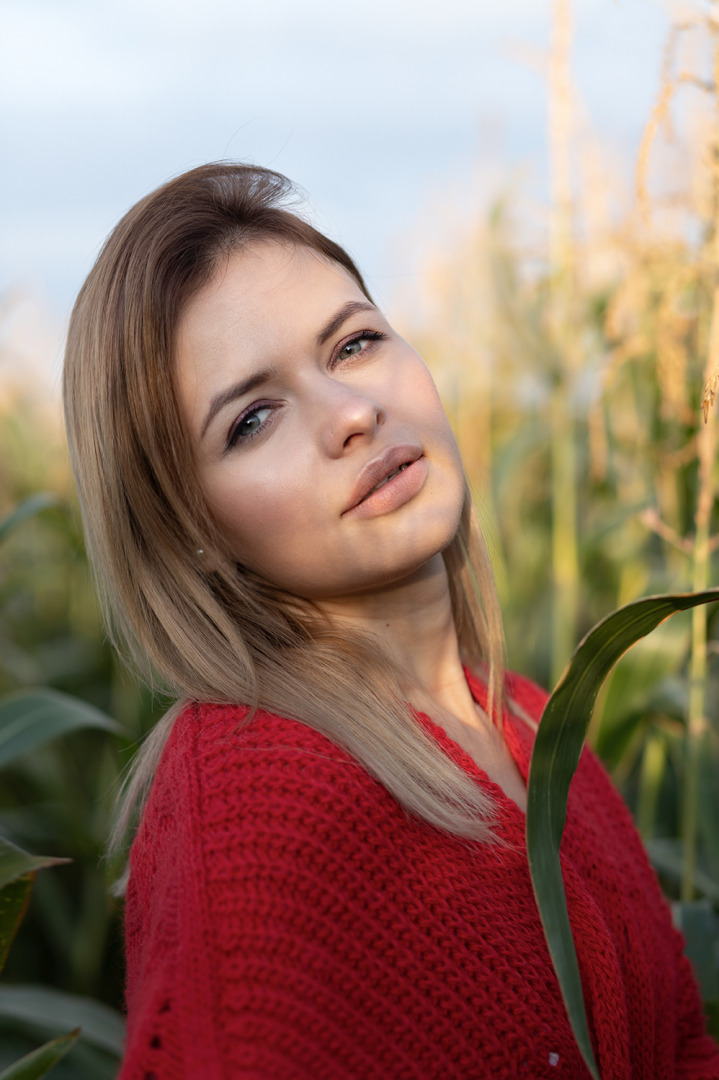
[286, 919]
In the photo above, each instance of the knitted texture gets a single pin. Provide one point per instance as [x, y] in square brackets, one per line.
[287, 920]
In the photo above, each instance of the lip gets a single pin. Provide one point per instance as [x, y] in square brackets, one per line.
[396, 491]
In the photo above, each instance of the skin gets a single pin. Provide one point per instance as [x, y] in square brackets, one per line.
[280, 462]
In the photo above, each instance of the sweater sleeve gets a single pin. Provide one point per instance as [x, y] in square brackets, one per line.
[697, 1052]
[245, 919]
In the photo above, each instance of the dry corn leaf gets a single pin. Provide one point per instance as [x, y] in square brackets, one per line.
[709, 394]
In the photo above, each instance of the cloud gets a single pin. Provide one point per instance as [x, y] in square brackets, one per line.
[55, 57]
[74, 54]
[367, 103]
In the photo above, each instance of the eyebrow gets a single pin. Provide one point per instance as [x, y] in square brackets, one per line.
[341, 316]
[232, 393]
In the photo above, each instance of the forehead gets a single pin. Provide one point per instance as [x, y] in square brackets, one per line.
[261, 291]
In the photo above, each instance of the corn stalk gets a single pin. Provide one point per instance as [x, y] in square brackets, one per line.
[565, 559]
[697, 725]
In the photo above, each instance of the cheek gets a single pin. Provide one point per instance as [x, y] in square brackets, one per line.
[260, 512]
[452, 466]
[437, 418]
[426, 397]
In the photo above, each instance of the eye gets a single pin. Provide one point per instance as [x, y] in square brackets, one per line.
[249, 424]
[357, 344]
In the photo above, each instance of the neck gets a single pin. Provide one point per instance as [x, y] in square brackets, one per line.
[413, 619]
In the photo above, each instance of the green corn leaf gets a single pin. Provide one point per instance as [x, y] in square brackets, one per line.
[44, 1010]
[695, 919]
[31, 718]
[557, 748]
[667, 857]
[25, 510]
[40, 1061]
[13, 904]
[17, 874]
[16, 863]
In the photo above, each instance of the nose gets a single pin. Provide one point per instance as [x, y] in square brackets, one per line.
[346, 415]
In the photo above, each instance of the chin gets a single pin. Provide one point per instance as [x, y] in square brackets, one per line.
[406, 572]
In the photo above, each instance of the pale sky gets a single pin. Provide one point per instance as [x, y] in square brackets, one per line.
[378, 108]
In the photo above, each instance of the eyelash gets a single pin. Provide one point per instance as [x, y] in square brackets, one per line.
[234, 436]
[371, 336]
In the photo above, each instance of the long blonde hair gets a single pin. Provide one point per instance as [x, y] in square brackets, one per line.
[207, 629]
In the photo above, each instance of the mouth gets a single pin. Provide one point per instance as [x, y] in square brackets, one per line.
[390, 476]
[381, 471]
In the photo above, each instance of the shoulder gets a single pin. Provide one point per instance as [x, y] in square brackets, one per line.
[598, 818]
[591, 784]
[243, 807]
[253, 823]
[526, 699]
[528, 695]
[227, 761]
[237, 729]
[235, 780]
[220, 736]
[208, 729]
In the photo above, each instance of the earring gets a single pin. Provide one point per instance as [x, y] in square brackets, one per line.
[200, 552]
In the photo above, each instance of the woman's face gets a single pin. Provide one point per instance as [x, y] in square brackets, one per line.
[323, 449]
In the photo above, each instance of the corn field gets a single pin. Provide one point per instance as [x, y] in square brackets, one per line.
[576, 347]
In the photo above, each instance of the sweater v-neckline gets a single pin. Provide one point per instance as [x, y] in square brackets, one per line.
[518, 744]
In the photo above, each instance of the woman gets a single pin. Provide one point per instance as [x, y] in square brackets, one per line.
[329, 878]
